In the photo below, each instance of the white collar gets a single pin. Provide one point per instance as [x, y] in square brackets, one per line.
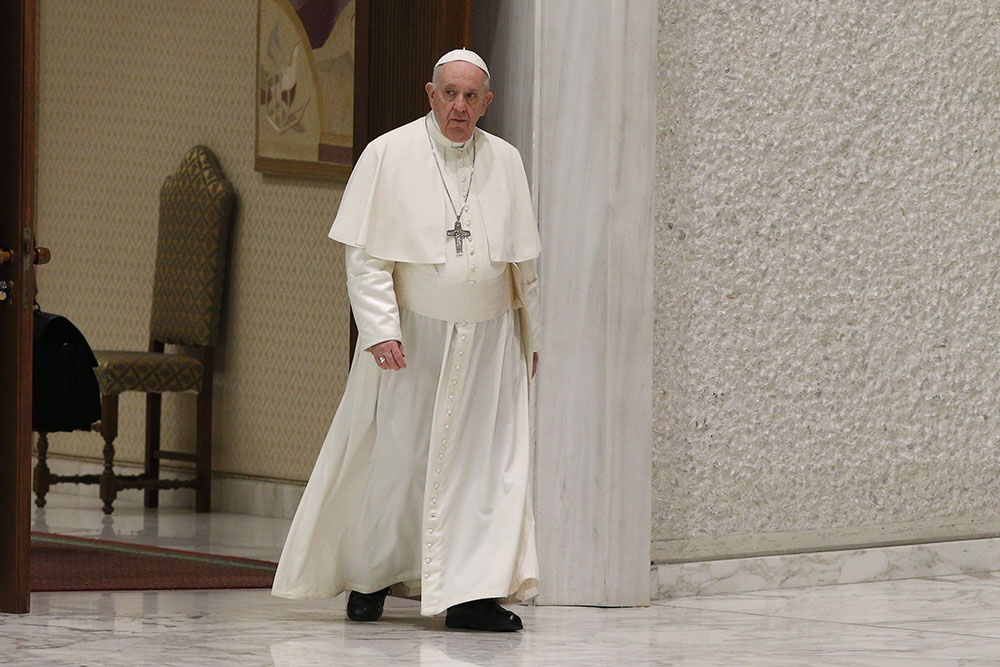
[439, 137]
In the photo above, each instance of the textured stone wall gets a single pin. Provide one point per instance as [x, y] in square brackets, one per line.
[827, 348]
[125, 88]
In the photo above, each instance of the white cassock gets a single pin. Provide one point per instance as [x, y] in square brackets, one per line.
[423, 477]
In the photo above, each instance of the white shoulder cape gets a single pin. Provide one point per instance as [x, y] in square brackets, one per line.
[394, 205]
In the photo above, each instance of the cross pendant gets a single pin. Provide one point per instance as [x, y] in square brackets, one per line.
[459, 234]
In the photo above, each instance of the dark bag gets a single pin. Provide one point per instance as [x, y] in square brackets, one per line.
[65, 393]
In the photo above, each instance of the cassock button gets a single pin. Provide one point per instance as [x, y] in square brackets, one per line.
[437, 470]
[449, 412]
[430, 531]
[458, 367]
[427, 576]
[463, 336]
[428, 545]
[434, 501]
[440, 456]
[472, 252]
[447, 426]
[461, 353]
[427, 560]
[444, 441]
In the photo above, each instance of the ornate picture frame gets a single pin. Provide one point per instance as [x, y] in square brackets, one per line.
[305, 87]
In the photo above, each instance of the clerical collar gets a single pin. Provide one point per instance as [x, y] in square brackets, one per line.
[439, 137]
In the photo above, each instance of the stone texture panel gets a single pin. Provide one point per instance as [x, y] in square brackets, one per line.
[826, 328]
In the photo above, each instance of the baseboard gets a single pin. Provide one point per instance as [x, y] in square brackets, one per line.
[727, 547]
[776, 572]
[230, 493]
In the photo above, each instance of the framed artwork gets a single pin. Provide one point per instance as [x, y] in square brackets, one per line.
[305, 87]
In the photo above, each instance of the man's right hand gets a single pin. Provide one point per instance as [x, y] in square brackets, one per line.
[389, 355]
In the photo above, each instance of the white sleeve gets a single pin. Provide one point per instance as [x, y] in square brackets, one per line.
[532, 300]
[373, 299]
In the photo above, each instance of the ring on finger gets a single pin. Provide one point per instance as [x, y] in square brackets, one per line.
[381, 360]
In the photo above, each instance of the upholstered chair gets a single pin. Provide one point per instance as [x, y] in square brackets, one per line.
[196, 207]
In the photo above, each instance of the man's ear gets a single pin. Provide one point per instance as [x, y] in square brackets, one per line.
[430, 91]
[486, 101]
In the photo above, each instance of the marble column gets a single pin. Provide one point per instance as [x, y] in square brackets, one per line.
[595, 151]
[584, 73]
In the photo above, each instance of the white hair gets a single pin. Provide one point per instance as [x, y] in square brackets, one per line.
[437, 71]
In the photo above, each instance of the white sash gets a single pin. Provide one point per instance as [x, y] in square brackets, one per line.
[430, 295]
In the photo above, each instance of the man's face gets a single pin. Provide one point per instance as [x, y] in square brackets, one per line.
[459, 99]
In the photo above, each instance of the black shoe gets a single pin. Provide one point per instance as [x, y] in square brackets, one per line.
[482, 615]
[366, 606]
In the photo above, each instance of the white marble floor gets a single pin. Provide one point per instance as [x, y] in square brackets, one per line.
[930, 621]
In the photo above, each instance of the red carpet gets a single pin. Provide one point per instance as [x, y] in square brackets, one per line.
[62, 563]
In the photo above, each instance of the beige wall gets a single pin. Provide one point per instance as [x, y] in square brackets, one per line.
[828, 321]
[125, 88]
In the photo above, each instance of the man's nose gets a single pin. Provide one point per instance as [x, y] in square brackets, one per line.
[460, 103]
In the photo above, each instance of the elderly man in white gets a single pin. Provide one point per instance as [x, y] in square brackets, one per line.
[422, 482]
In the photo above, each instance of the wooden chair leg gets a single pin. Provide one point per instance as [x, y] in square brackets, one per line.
[42, 479]
[203, 495]
[109, 431]
[152, 469]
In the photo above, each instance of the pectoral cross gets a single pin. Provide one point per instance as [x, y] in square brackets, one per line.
[459, 234]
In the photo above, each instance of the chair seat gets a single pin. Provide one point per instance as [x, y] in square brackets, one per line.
[147, 371]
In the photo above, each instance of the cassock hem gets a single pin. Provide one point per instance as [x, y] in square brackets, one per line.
[527, 590]
[347, 586]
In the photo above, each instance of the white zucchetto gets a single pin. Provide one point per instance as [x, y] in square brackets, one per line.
[463, 55]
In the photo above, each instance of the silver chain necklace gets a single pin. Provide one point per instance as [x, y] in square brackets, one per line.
[457, 232]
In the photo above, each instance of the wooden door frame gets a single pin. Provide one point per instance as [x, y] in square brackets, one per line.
[18, 193]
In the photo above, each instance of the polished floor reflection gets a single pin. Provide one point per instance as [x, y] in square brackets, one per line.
[931, 621]
[171, 528]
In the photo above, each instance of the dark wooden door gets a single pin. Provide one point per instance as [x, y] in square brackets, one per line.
[17, 170]
[397, 44]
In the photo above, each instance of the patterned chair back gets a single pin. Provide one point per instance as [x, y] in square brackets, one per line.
[196, 206]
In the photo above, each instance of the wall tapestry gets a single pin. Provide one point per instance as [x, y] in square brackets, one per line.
[305, 87]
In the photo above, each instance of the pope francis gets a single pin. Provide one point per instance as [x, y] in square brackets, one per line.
[422, 481]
